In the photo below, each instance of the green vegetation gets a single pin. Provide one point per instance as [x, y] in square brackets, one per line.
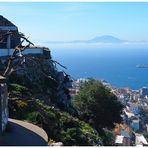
[83, 130]
[60, 126]
[100, 108]
[76, 132]
[34, 117]
[17, 90]
[97, 105]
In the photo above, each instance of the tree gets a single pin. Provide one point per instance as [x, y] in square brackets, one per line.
[97, 105]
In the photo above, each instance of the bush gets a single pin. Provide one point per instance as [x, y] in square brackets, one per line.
[60, 126]
[17, 90]
[34, 117]
[76, 132]
[21, 104]
[18, 108]
[97, 105]
[51, 115]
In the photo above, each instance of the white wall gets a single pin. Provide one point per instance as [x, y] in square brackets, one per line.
[33, 51]
[8, 52]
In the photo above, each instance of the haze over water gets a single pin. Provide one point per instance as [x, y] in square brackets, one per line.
[116, 65]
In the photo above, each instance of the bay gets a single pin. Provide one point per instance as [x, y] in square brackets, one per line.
[115, 65]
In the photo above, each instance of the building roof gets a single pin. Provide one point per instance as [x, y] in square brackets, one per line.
[6, 25]
[5, 22]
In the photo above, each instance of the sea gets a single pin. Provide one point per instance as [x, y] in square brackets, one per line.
[117, 66]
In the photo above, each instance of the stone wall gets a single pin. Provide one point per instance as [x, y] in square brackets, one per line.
[3, 104]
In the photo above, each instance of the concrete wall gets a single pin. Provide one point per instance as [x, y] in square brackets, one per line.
[3, 104]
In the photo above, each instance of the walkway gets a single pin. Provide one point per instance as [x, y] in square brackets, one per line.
[20, 133]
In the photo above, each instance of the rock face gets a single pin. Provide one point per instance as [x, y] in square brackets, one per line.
[38, 72]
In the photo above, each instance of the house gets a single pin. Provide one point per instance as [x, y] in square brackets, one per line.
[123, 135]
[135, 124]
[140, 139]
[144, 91]
[122, 141]
[119, 140]
[10, 38]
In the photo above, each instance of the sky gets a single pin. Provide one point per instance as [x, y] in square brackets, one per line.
[67, 21]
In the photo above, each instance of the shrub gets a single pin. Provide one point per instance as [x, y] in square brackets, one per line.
[34, 117]
[17, 90]
[51, 115]
[76, 132]
[51, 141]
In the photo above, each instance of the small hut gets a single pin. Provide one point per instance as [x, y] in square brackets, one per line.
[10, 38]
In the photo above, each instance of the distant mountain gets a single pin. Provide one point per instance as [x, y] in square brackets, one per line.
[97, 39]
[106, 39]
[101, 39]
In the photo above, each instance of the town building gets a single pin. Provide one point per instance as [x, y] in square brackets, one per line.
[140, 140]
[144, 91]
[135, 125]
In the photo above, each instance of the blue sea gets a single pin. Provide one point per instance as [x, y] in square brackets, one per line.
[115, 65]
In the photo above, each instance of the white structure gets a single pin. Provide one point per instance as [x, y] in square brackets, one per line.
[119, 139]
[129, 114]
[140, 140]
[122, 140]
[32, 50]
[10, 38]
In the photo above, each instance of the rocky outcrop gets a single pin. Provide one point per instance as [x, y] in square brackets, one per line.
[40, 75]
[32, 66]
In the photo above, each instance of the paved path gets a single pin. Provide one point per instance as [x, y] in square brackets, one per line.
[21, 133]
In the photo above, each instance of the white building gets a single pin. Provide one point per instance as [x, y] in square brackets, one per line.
[140, 139]
[32, 50]
[10, 38]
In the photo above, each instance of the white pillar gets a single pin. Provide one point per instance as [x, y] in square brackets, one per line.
[8, 42]
[3, 104]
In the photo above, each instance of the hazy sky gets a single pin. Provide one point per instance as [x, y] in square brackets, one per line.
[69, 21]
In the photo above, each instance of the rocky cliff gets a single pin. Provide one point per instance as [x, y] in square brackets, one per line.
[39, 74]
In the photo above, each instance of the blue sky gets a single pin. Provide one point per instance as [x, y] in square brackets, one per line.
[55, 21]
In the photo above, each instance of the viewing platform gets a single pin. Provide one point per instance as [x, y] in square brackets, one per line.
[20, 133]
